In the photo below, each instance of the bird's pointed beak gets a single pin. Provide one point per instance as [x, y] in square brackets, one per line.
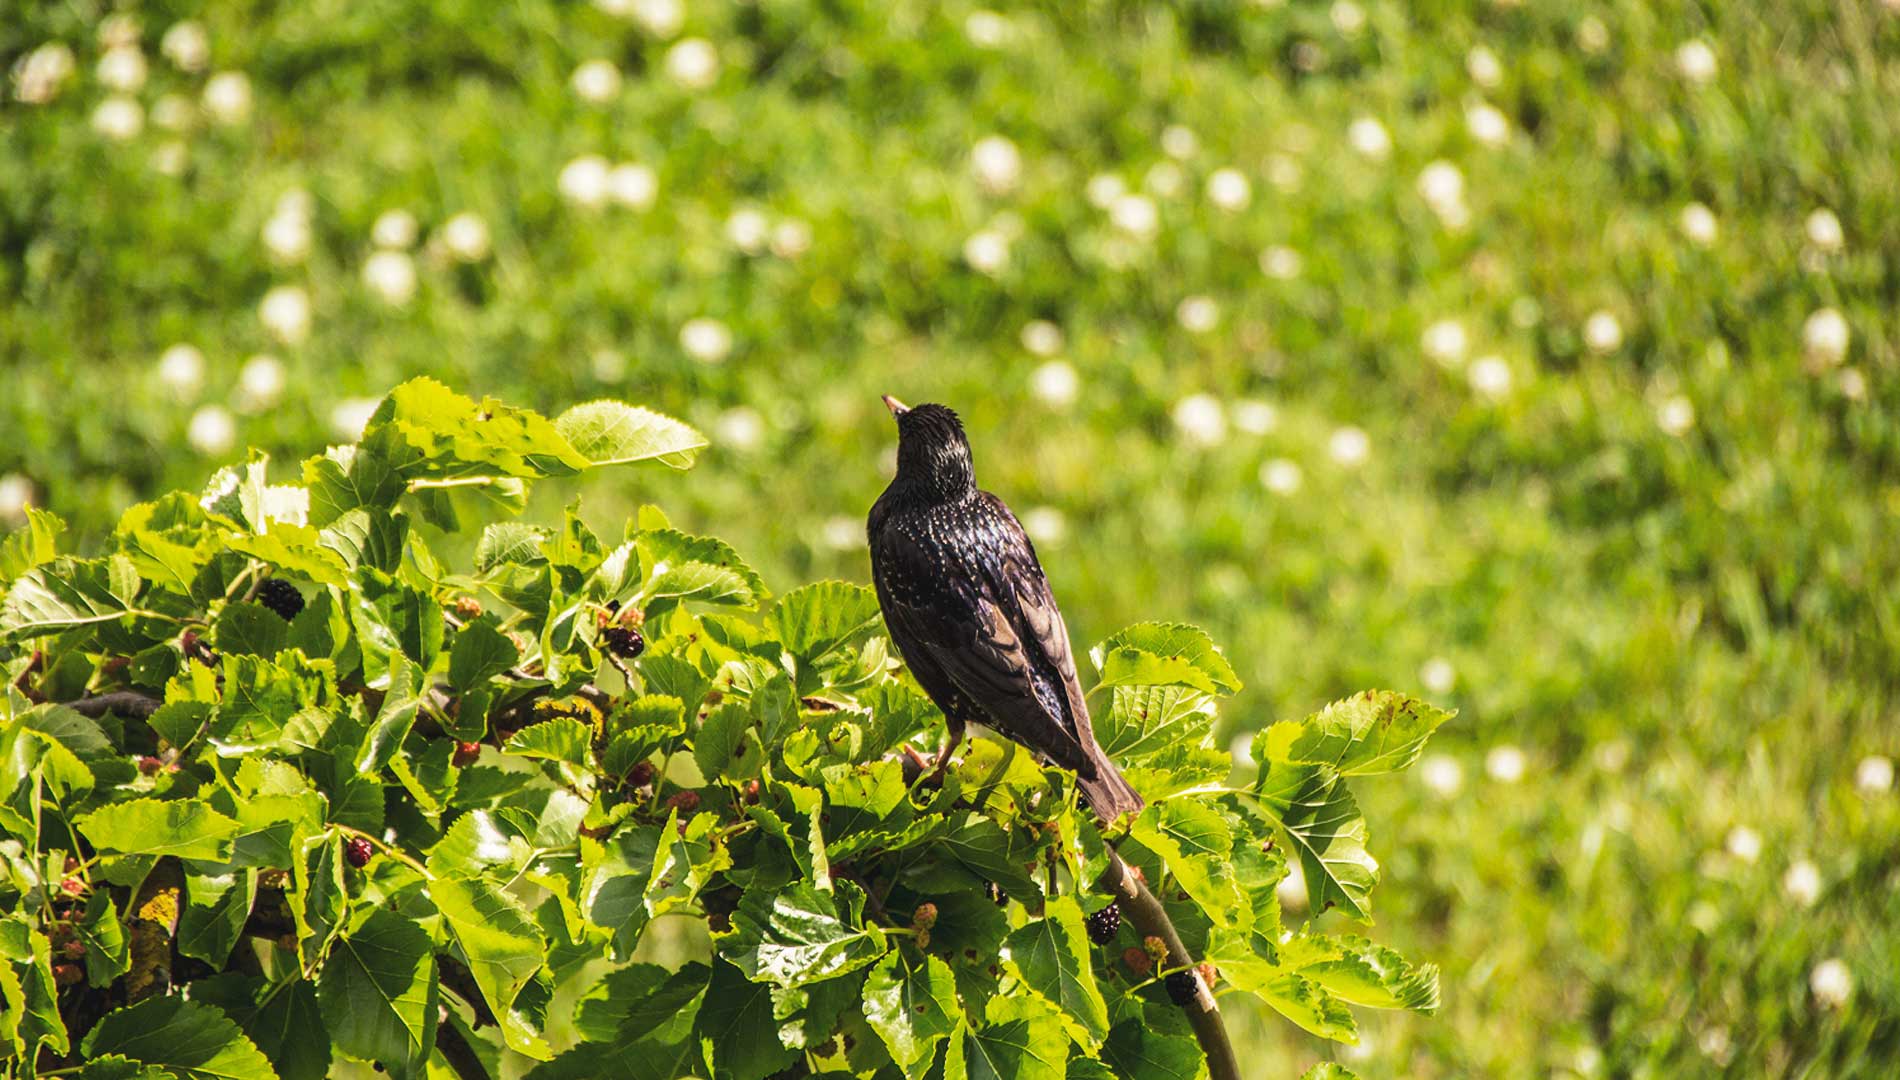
[897, 407]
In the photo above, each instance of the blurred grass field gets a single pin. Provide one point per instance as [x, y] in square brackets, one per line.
[1537, 357]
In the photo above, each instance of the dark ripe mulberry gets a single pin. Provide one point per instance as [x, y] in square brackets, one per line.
[1104, 924]
[641, 774]
[149, 765]
[280, 596]
[684, 801]
[73, 950]
[466, 753]
[752, 793]
[1181, 987]
[68, 974]
[358, 851]
[624, 642]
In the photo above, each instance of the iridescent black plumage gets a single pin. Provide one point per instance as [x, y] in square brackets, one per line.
[968, 605]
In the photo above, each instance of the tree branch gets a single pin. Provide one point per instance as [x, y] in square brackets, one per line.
[130, 703]
[1142, 909]
[457, 1052]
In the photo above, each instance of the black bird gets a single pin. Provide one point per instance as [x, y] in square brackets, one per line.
[970, 609]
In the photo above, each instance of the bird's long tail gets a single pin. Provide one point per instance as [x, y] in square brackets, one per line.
[1108, 794]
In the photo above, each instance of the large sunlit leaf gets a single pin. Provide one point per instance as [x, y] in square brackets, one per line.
[1164, 654]
[612, 433]
[188, 1040]
[182, 827]
[378, 990]
[910, 1000]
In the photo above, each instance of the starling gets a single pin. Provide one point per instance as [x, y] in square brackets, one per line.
[970, 609]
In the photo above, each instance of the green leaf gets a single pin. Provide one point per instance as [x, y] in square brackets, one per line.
[613, 893]
[678, 568]
[394, 718]
[428, 431]
[640, 998]
[1164, 654]
[1322, 820]
[683, 862]
[1364, 973]
[721, 735]
[375, 538]
[509, 543]
[29, 1005]
[479, 652]
[297, 550]
[503, 947]
[610, 433]
[392, 617]
[818, 620]
[66, 593]
[799, 935]
[1023, 1049]
[188, 1040]
[32, 544]
[1197, 845]
[261, 695]
[115, 1067]
[1327, 1070]
[1053, 957]
[378, 991]
[558, 738]
[736, 1027]
[1142, 721]
[216, 908]
[912, 1005]
[1375, 732]
[185, 828]
[107, 954]
[1137, 1048]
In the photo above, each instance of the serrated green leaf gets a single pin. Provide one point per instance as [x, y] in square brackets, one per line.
[378, 991]
[677, 568]
[508, 543]
[501, 943]
[1363, 973]
[1322, 820]
[366, 537]
[392, 617]
[736, 1028]
[911, 1002]
[720, 736]
[641, 999]
[799, 935]
[68, 592]
[1197, 844]
[611, 433]
[187, 829]
[428, 432]
[1374, 732]
[186, 1039]
[1135, 1048]
[107, 954]
[1143, 721]
[216, 907]
[32, 544]
[1164, 654]
[1023, 1049]
[818, 620]
[479, 652]
[28, 995]
[1052, 955]
[558, 738]
[297, 550]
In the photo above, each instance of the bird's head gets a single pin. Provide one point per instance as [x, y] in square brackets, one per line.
[933, 456]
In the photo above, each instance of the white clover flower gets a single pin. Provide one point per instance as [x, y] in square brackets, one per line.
[1505, 764]
[1103, 189]
[1280, 263]
[1445, 341]
[1874, 775]
[1676, 415]
[182, 369]
[1824, 231]
[350, 416]
[748, 230]
[16, 494]
[1179, 143]
[986, 29]
[1046, 525]
[1280, 476]
[211, 430]
[1483, 67]
[122, 69]
[1135, 215]
[791, 238]
[1200, 420]
[187, 46]
[706, 340]
[740, 427]
[1255, 417]
[285, 312]
[1802, 883]
[1350, 446]
[596, 82]
[997, 163]
[1197, 314]
[1487, 124]
[120, 28]
[173, 112]
[1853, 384]
[1165, 179]
[693, 64]
[118, 118]
[287, 237]
[391, 275]
[1698, 224]
[1369, 138]
[608, 365]
[1832, 983]
[1056, 384]
[1040, 337]
[261, 382]
[1292, 889]
[583, 181]
[227, 97]
[1824, 337]
[634, 185]
[987, 251]
[394, 229]
[39, 77]
[1442, 774]
[1283, 172]
[1592, 36]
[1228, 190]
[1696, 61]
[1744, 843]
[842, 533]
[661, 18]
[1442, 186]
[1490, 377]
[1348, 18]
[1437, 675]
[465, 236]
[1602, 333]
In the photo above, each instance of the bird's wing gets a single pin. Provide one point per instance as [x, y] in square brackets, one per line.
[990, 624]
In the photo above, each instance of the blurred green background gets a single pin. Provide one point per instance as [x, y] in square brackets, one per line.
[1537, 357]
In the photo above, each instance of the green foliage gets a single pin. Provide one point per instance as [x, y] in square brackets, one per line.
[281, 854]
